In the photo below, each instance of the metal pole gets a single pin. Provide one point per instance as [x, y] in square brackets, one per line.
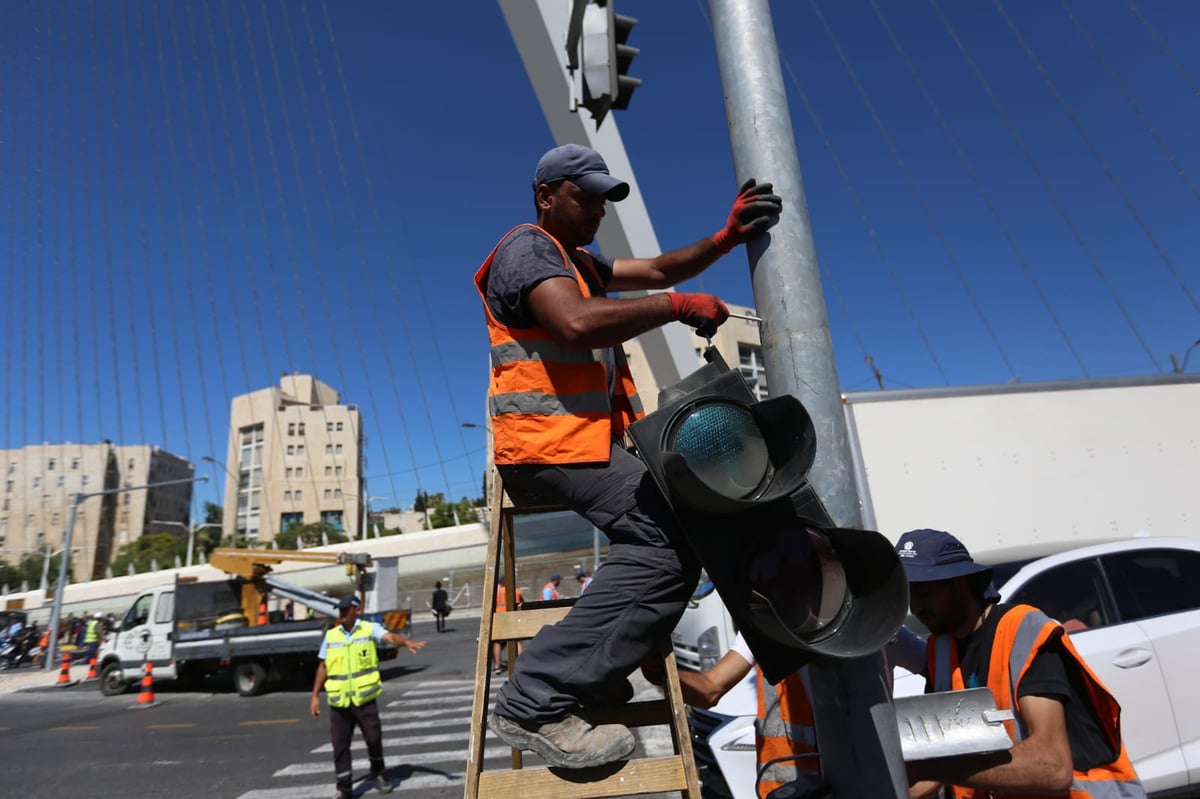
[856, 723]
[56, 606]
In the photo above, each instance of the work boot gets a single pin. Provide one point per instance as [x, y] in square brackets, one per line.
[568, 743]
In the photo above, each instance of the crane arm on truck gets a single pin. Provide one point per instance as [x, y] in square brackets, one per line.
[254, 566]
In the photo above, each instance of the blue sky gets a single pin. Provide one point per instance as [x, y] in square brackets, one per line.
[200, 195]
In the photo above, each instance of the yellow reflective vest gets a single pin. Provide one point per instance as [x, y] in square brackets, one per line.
[351, 666]
[91, 633]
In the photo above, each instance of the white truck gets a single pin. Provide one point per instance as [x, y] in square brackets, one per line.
[1029, 468]
[189, 629]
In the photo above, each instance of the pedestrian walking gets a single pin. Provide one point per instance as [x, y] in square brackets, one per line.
[441, 606]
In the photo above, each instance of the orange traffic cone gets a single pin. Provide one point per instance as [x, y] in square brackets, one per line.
[64, 676]
[146, 697]
[91, 674]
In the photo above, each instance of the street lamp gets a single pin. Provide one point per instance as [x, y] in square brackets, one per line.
[56, 607]
[236, 483]
[191, 531]
[1180, 367]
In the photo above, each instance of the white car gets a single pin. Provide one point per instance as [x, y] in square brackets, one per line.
[1132, 609]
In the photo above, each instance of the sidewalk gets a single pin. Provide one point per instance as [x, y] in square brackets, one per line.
[26, 677]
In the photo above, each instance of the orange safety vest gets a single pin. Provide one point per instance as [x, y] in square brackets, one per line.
[550, 403]
[1021, 632]
[502, 599]
[784, 728]
[553, 589]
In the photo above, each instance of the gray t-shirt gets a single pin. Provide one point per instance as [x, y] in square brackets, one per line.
[523, 260]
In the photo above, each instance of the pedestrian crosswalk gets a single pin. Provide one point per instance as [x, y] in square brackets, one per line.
[425, 735]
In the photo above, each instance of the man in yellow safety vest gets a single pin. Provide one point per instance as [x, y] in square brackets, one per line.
[349, 673]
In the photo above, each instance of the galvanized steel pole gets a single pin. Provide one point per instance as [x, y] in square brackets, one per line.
[857, 739]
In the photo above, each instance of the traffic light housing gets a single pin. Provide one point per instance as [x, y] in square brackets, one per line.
[605, 58]
[735, 472]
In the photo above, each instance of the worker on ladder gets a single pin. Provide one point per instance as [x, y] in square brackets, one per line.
[560, 396]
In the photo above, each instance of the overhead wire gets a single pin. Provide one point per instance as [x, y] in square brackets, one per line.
[356, 232]
[1104, 165]
[315, 256]
[1166, 50]
[916, 192]
[380, 232]
[969, 168]
[1128, 97]
[1042, 179]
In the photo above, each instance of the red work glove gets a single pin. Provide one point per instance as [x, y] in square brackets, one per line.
[702, 311]
[754, 210]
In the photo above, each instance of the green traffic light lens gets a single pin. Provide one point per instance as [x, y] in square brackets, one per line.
[724, 448]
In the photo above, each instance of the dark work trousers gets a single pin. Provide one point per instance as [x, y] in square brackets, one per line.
[342, 721]
[627, 613]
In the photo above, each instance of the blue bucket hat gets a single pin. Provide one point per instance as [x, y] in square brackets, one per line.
[584, 167]
[930, 555]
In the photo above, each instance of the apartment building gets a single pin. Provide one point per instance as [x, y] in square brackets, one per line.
[295, 456]
[738, 341]
[40, 483]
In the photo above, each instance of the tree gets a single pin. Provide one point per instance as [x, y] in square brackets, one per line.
[156, 549]
[309, 535]
[213, 513]
[442, 514]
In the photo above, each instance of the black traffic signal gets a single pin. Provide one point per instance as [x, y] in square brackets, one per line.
[735, 471]
[605, 58]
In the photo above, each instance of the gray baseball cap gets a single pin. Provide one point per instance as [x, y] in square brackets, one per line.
[584, 167]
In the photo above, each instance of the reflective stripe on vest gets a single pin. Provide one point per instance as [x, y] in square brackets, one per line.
[1020, 633]
[351, 666]
[550, 403]
[784, 727]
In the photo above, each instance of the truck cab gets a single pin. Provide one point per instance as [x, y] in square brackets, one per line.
[143, 634]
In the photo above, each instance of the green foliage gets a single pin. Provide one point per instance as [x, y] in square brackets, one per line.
[156, 549]
[28, 570]
[213, 513]
[442, 514]
[310, 535]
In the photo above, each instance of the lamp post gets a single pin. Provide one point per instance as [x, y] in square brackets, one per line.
[236, 483]
[191, 531]
[56, 607]
[1181, 366]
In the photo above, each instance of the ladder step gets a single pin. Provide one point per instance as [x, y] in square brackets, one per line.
[647, 775]
[523, 624]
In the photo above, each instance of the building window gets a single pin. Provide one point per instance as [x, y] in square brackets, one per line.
[51, 464]
[328, 493]
[291, 428]
[300, 429]
[750, 364]
[286, 520]
[54, 518]
[299, 449]
[8, 485]
[131, 464]
[329, 449]
[291, 449]
[338, 449]
[329, 427]
[298, 494]
[339, 427]
[12, 467]
[37, 482]
[83, 480]
[287, 496]
[329, 471]
[299, 471]
[61, 481]
[337, 493]
[339, 471]
[74, 463]
[332, 518]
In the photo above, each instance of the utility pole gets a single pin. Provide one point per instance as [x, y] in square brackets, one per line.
[857, 738]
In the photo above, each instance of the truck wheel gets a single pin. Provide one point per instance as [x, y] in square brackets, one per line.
[250, 678]
[112, 680]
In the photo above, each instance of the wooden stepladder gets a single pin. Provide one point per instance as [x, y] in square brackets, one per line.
[634, 777]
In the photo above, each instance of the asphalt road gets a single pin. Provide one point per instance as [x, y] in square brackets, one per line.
[58, 742]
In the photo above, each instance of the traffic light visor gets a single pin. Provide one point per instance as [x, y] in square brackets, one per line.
[724, 448]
